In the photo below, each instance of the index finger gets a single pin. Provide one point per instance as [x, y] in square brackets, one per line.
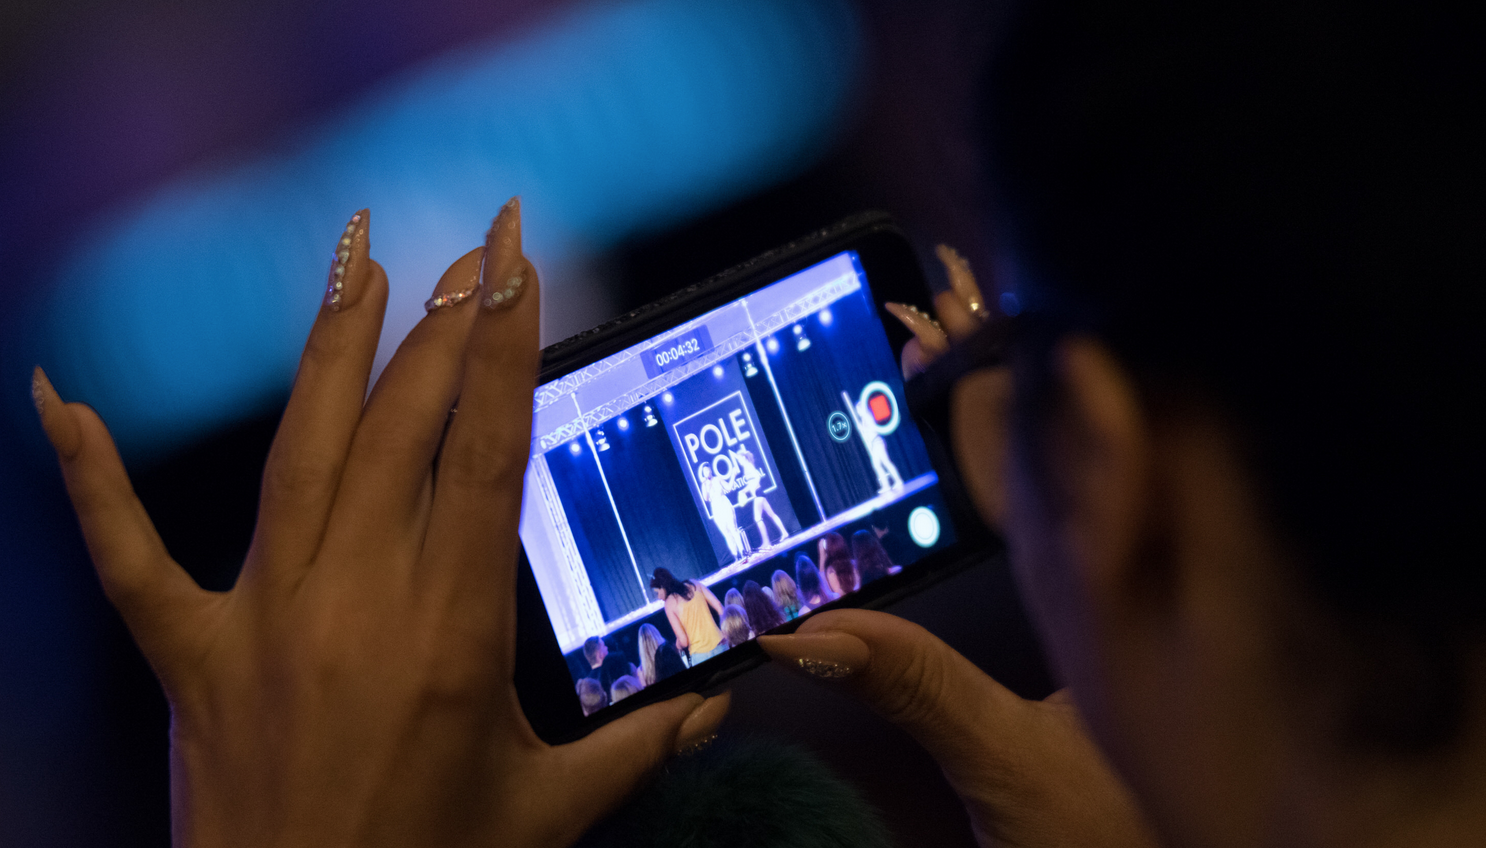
[470, 550]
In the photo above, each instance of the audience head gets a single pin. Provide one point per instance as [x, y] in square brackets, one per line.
[665, 584]
[786, 593]
[594, 650]
[836, 559]
[807, 577]
[591, 695]
[668, 661]
[872, 560]
[733, 597]
[735, 629]
[624, 687]
[649, 641]
[762, 614]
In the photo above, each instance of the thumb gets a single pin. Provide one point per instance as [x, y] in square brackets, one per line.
[968, 722]
[609, 764]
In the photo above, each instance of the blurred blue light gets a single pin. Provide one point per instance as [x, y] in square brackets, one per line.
[772, 344]
[189, 309]
[624, 423]
[825, 317]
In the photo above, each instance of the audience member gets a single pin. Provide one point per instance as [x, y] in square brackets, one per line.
[872, 560]
[787, 596]
[667, 661]
[735, 629]
[733, 597]
[608, 664]
[763, 616]
[689, 608]
[813, 590]
[592, 696]
[836, 564]
[624, 687]
[649, 640]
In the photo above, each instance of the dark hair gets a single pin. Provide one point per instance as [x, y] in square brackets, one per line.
[807, 577]
[763, 616]
[837, 559]
[872, 560]
[1274, 213]
[668, 661]
[664, 579]
[591, 647]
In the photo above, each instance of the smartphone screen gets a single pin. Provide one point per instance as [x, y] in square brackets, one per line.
[723, 478]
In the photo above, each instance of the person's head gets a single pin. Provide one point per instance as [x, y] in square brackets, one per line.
[705, 471]
[735, 629]
[807, 577]
[592, 696]
[833, 546]
[594, 650]
[836, 560]
[624, 687]
[668, 661]
[649, 640]
[872, 560]
[786, 593]
[1246, 241]
[665, 584]
[762, 614]
[733, 597]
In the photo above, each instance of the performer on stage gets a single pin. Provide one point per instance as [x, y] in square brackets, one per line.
[888, 477]
[714, 494]
[752, 481]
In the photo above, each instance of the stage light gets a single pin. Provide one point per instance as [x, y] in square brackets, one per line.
[650, 419]
[600, 440]
[772, 345]
[668, 398]
[748, 368]
[826, 317]
[717, 371]
[574, 448]
[612, 119]
[802, 341]
[624, 423]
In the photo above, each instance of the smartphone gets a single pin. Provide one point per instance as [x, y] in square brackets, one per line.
[724, 462]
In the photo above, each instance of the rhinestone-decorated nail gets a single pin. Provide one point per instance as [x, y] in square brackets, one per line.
[451, 299]
[506, 269]
[38, 397]
[335, 286]
[826, 669]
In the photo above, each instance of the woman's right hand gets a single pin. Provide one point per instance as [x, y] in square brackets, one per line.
[1027, 771]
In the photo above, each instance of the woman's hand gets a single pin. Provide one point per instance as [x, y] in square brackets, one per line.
[1027, 771]
[354, 687]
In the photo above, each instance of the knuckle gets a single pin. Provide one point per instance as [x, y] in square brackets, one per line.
[490, 462]
[913, 692]
[298, 479]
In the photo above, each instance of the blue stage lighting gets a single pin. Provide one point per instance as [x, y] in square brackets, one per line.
[825, 317]
[772, 345]
[188, 309]
[624, 423]
[575, 448]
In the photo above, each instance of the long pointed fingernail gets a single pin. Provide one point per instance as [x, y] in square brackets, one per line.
[962, 280]
[460, 283]
[348, 265]
[504, 276]
[699, 729]
[38, 395]
[828, 656]
[928, 332]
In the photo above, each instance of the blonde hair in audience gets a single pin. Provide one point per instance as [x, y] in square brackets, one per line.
[649, 641]
[735, 629]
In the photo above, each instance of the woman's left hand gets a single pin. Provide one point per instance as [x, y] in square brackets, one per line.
[354, 687]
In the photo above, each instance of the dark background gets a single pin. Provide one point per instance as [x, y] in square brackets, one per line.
[102, 101]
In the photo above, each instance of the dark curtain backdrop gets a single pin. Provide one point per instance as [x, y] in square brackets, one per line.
[654, 499]
[698, 392]
[595, 530]
[771, 420]
[843, 356]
